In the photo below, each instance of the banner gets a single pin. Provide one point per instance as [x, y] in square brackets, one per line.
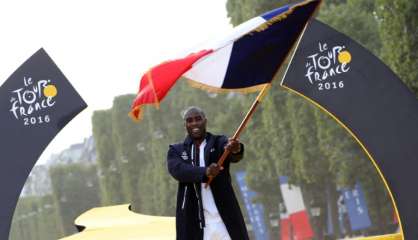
[255, 210]
[36, 102]
[356, 206]
[370, 102]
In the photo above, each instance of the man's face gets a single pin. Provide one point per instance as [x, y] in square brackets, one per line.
[195, 125]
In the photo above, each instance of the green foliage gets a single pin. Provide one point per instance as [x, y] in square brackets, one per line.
[125, 137]
[35, 218]
[398, 30]
[361, 26]
[75, 190]
[109, 173]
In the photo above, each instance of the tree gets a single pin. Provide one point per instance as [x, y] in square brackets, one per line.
[75, 189]
[125, 138]
[361, 26]
[108, 168]
[35, 219]
[398, 30]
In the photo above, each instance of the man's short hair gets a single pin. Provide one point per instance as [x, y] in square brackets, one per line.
[192, 109]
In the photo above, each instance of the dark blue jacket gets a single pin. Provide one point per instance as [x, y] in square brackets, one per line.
[189, 211]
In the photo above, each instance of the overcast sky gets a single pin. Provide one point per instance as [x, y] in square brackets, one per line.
[103, 47]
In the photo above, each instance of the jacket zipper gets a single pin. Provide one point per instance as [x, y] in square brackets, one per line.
[184, 198]
[195, 188]
[198, 204]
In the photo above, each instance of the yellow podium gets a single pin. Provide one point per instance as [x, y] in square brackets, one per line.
[118, 222]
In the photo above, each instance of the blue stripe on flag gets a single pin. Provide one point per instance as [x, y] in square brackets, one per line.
[283, 179]
[256, 57]
[271, 14]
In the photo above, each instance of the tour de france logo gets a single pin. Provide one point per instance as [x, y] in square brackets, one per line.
[324, 65]
[31, 102]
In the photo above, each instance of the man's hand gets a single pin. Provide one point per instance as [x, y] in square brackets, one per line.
[234, 146]
[213, 170]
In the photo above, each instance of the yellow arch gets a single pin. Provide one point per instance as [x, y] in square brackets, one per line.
[396, 236]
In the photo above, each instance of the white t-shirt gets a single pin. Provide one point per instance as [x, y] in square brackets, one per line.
[209, 207]
[215, 228]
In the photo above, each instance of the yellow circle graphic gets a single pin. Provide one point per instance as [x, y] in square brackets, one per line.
[344, 57]
[50, 91]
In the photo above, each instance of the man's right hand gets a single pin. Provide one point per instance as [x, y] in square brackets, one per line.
[213, 170]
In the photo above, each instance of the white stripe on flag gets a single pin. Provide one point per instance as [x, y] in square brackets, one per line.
[240, 30]
[211, 70]
[234, 34]
[292, 197]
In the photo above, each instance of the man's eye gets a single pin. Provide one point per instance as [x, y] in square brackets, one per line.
[194, 119]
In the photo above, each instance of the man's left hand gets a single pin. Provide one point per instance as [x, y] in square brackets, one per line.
[234, 146]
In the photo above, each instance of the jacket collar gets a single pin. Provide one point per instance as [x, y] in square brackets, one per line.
[188, 141]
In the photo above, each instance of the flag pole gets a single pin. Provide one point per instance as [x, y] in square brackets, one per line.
[242, 126]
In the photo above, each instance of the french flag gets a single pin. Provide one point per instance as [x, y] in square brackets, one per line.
[299, 219]
[286, 232]
[253, 53]
[243, 61]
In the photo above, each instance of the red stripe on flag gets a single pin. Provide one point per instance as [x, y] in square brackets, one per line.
[302, 229]
[285, 229]
[157, 81]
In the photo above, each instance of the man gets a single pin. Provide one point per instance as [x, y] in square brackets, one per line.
[205, 213]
